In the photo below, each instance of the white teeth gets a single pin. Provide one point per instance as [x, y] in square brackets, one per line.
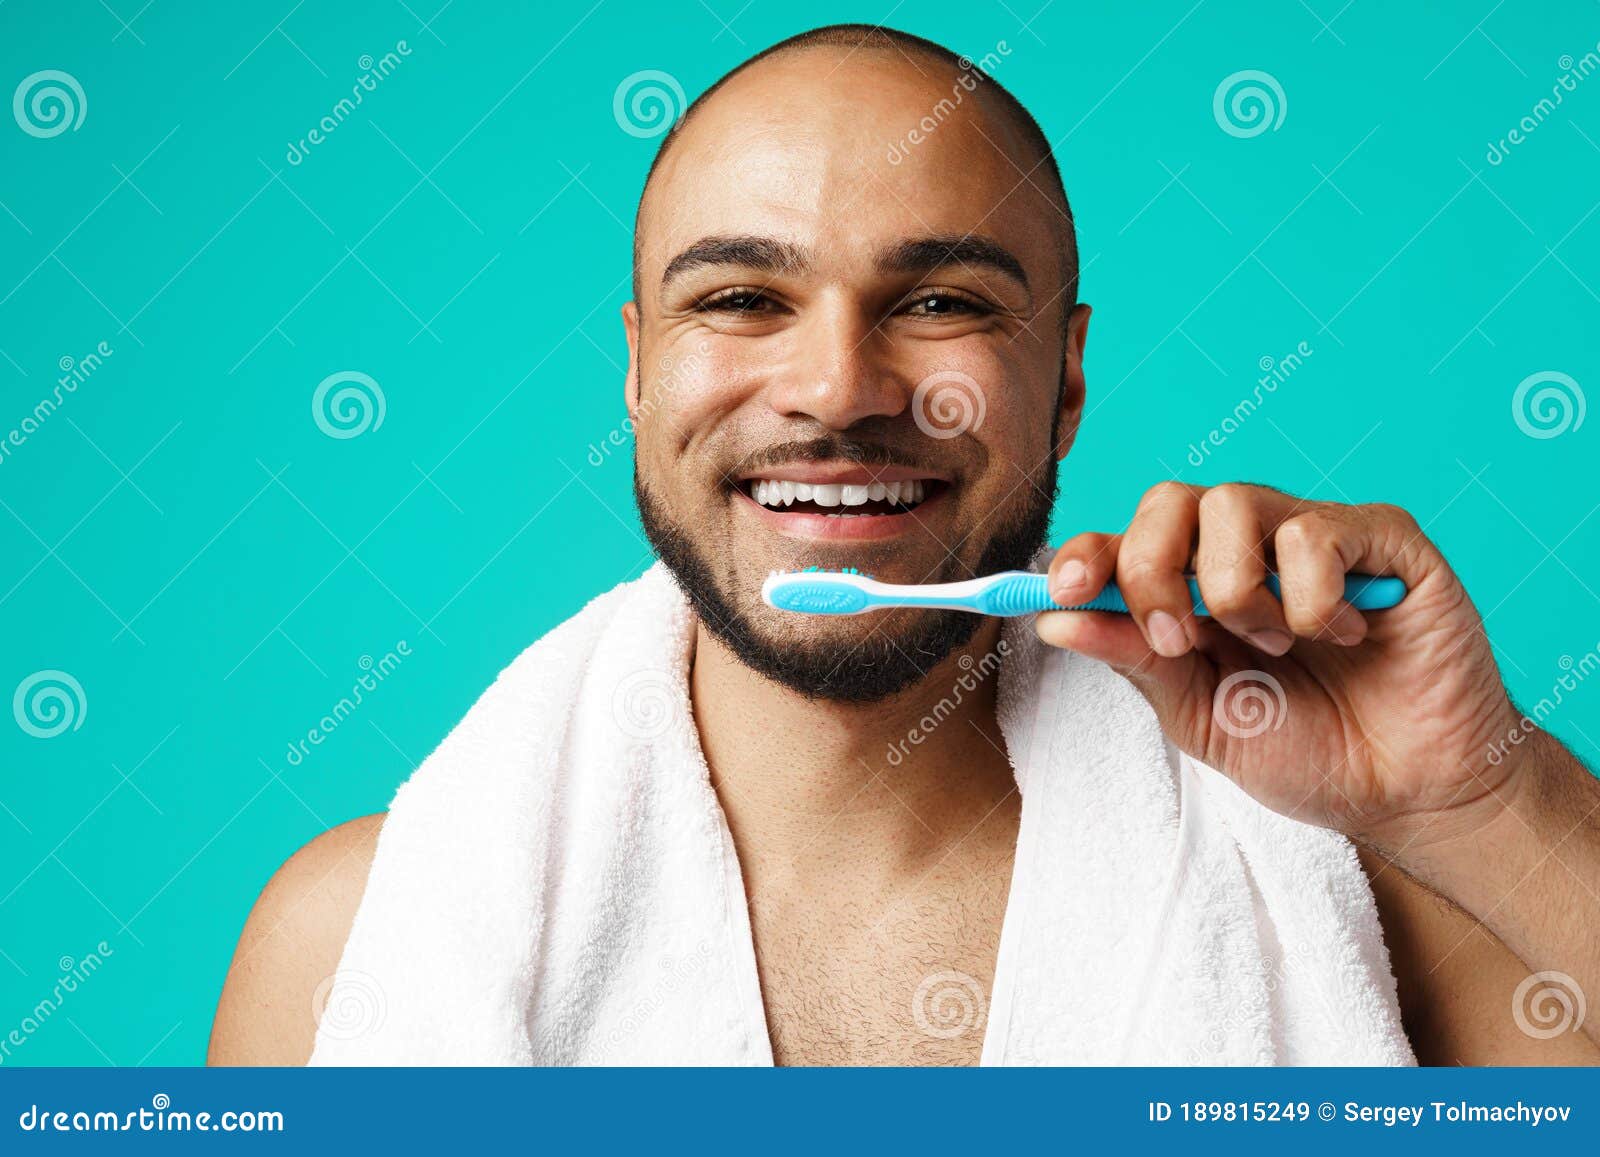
[778, 492]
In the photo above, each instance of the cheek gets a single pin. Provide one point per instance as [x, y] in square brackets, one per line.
[697, 382]
[983, 390]
[684, 396]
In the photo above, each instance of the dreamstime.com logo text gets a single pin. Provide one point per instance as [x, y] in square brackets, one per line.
[160, 1117]
[74, 372]
[973, 674]
[674, 372]
[74, 975]
[373, 73]
[972, 75]
[1574, 673]
[1573, 72]
[372, 674]
[675, 975]
[1274, 372]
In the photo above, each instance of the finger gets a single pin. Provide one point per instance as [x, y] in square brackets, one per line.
[1383, 539]
[1231, 565]
[1082, 567]
[1315, 550]
[1171, 686]
[1113, 639]
[1378, 539]
[1151, 564]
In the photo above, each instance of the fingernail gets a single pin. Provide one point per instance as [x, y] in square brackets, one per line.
[1166, 635]
[1272, 642]
[1070, 579]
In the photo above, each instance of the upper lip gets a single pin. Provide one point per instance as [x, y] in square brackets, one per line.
[840, 473]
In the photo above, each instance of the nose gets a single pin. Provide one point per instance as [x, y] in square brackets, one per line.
[839, 375]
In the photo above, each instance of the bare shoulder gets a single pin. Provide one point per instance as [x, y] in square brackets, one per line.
[290, 944]
[1459, 984]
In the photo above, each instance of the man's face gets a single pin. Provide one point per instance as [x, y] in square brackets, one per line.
[841, 359]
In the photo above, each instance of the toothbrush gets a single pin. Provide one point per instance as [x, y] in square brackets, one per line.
[815, 591]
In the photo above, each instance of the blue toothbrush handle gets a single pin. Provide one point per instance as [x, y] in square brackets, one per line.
[1362, 591]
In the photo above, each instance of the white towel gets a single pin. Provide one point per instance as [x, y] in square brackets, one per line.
[557, 885]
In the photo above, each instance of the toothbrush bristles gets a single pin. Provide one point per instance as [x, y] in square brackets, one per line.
[825, 570]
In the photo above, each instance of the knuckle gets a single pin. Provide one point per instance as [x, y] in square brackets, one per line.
[1308, 614]
[1228, 595]
[1394, 515]
[1304, 532]
[1225, 498]
[1140, 570]
[1302, 621]
[1163, 492]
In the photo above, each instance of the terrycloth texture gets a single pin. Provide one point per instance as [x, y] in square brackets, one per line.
[556, 884]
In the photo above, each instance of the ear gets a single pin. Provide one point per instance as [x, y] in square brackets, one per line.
[630, 325]
[1074, 389]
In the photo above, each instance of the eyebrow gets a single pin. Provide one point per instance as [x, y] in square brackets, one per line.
[924, 254]
[917, 255]
[765, 254]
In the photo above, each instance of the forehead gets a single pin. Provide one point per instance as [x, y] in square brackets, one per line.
[844, 152]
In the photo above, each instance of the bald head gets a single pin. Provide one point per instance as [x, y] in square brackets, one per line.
[925, 84]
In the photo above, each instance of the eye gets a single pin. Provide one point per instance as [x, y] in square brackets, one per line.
[945, 303]
[742, 299]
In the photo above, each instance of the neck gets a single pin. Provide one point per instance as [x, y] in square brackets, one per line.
[783, 764]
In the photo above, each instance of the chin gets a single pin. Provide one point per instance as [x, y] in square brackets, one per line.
[857, 659]
[722, 554]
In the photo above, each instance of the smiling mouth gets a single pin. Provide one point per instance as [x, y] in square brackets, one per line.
[842, 500]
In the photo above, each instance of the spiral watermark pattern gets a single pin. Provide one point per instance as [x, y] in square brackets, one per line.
[48, 103]
[948, 404]
[48, 703]
[1548, 404]
[645, 704]
[1248, 704]
[1248, 103]
[348, 404]
[1548, 1004]
[648, 103]
[348, 1005]
[948, 1004]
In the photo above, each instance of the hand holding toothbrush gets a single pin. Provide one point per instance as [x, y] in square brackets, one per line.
[1383, 727]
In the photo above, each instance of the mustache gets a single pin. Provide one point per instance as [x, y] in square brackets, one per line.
[834, 448]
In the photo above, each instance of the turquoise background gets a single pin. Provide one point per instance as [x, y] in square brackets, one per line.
[185, 541]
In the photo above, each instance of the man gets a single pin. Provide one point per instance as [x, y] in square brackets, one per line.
[805, 298]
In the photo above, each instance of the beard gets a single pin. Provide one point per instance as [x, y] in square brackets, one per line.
[873, 666]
